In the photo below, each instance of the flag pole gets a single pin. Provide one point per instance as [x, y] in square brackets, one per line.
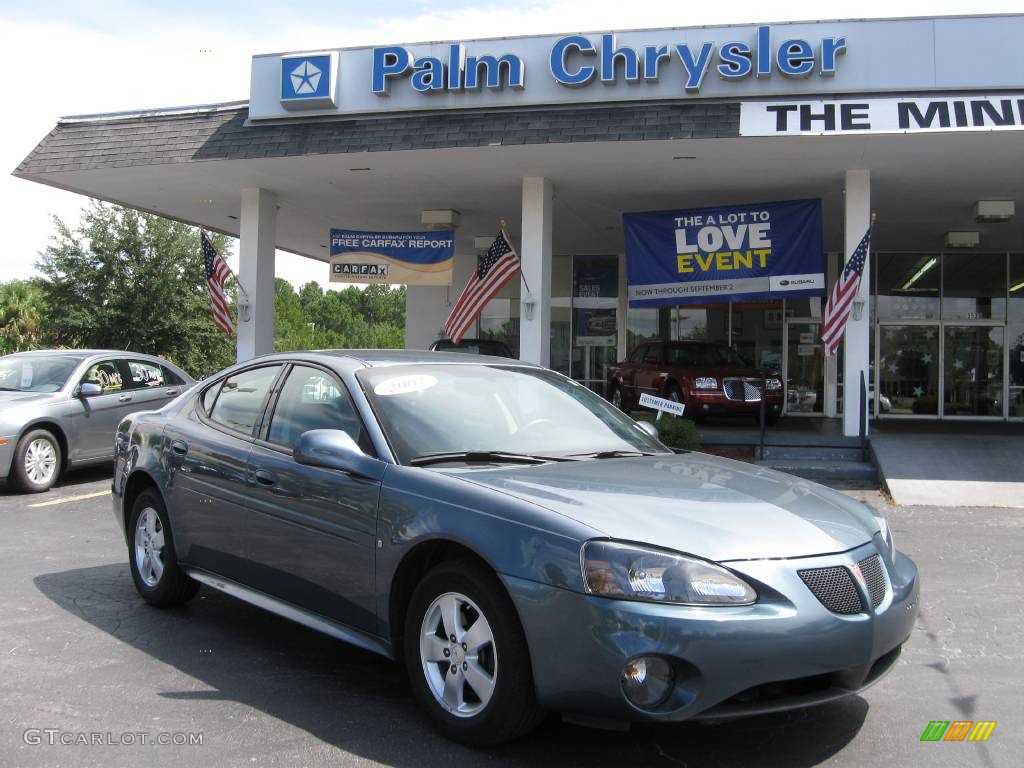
[504, 230]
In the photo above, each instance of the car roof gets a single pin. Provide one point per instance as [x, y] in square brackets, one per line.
[82, 354]
[379, 357]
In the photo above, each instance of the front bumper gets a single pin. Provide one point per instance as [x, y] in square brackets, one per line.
[785, 651]
[7, 455]
[715, 403]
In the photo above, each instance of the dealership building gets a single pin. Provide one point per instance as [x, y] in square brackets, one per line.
[569, 138]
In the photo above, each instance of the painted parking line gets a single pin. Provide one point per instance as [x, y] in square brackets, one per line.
[66, 499]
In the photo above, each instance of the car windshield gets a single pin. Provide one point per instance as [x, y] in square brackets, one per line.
[474, 347]
[35, 373]
[705, 356]
[451, 408]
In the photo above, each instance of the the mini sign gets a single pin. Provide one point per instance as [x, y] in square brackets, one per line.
[404, 258]
[661, 404]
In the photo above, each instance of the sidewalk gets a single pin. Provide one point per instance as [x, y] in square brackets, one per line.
[951, 464]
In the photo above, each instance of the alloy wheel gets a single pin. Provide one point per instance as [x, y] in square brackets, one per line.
[457, 654]
[40, 461]
[149, 547]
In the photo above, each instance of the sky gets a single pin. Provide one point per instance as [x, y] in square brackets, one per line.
[66, 57]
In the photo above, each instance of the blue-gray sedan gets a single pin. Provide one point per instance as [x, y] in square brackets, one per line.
[520, 544]
[59, 408]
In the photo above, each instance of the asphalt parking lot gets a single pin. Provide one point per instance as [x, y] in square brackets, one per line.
[80, 654]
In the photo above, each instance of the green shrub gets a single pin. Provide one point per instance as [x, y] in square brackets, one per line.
[678, 432]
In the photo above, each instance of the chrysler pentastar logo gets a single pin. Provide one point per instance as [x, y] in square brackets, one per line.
[305, 78]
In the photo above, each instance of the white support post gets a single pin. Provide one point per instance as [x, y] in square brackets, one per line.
[257, 239]
[857, 342]
[535, 253]
[621, 351]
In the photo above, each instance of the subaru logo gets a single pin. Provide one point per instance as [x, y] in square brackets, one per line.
[783, 282]
[308, 81]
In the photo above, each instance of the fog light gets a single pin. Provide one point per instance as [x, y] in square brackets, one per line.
[648, 681]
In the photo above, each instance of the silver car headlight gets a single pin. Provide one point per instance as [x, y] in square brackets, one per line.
[705, 382]
[633, 572]
[886, 533]
[773, 384]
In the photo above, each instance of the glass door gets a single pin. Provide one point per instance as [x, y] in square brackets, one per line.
[973, 380]
[804, 367]
[908, 370]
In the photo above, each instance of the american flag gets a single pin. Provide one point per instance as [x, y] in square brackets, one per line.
[217, 271]
[497, 267]
[837, 311]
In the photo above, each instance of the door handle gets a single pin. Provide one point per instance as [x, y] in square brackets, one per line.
[170, 391]
[124, 398]
[263, 477]
[180, 447]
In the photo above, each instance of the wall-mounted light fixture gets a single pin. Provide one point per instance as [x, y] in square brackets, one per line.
[857, 310]
[244, 311]
[528, 304]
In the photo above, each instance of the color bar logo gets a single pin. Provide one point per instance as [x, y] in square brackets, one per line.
[958, 730]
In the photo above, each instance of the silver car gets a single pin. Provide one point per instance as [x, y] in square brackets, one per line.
[59, 408]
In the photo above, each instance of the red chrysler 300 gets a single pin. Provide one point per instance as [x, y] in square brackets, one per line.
[708, 378]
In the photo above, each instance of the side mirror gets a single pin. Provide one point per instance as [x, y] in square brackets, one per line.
[334, 449]
[649, 428]
[89, 389]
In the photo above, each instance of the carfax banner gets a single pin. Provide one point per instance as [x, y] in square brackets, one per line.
[736, 252]
[409, 258]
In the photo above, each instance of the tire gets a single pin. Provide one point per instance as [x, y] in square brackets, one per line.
[487, 714]
[151, 556]
[37, 461]
[615, 397]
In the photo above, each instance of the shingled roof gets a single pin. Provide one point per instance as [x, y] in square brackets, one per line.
[221, 133]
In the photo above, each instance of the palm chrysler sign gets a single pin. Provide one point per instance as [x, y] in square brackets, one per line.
[805, 61]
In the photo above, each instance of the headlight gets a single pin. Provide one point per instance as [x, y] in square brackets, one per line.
[773, 383]
[706, 382]
[886, 531]
[632, 572]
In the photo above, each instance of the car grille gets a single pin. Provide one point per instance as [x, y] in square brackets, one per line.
[874, 577]
[747, 390]
[834, 587]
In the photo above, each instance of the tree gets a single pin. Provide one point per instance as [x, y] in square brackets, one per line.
[21, 311]
[124, 279]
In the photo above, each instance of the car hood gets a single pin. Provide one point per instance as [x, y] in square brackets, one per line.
[13, 399]
[715, 508]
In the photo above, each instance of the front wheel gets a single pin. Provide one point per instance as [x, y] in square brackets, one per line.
[467, 657]
[151, 555]
[37, 461]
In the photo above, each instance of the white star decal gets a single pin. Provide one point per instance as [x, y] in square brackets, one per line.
[305, 78]
[929, 335]
[926, 359]
[892, 367]
[958, 364]
[918, 392]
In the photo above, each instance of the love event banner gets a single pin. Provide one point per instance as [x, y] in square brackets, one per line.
[734, 253]
[408, 258]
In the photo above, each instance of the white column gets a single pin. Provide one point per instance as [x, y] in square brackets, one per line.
[257, 238]
[858, 332]
[535, 252]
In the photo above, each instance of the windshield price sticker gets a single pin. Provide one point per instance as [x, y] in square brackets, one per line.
[661, 404]
[404, 385]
